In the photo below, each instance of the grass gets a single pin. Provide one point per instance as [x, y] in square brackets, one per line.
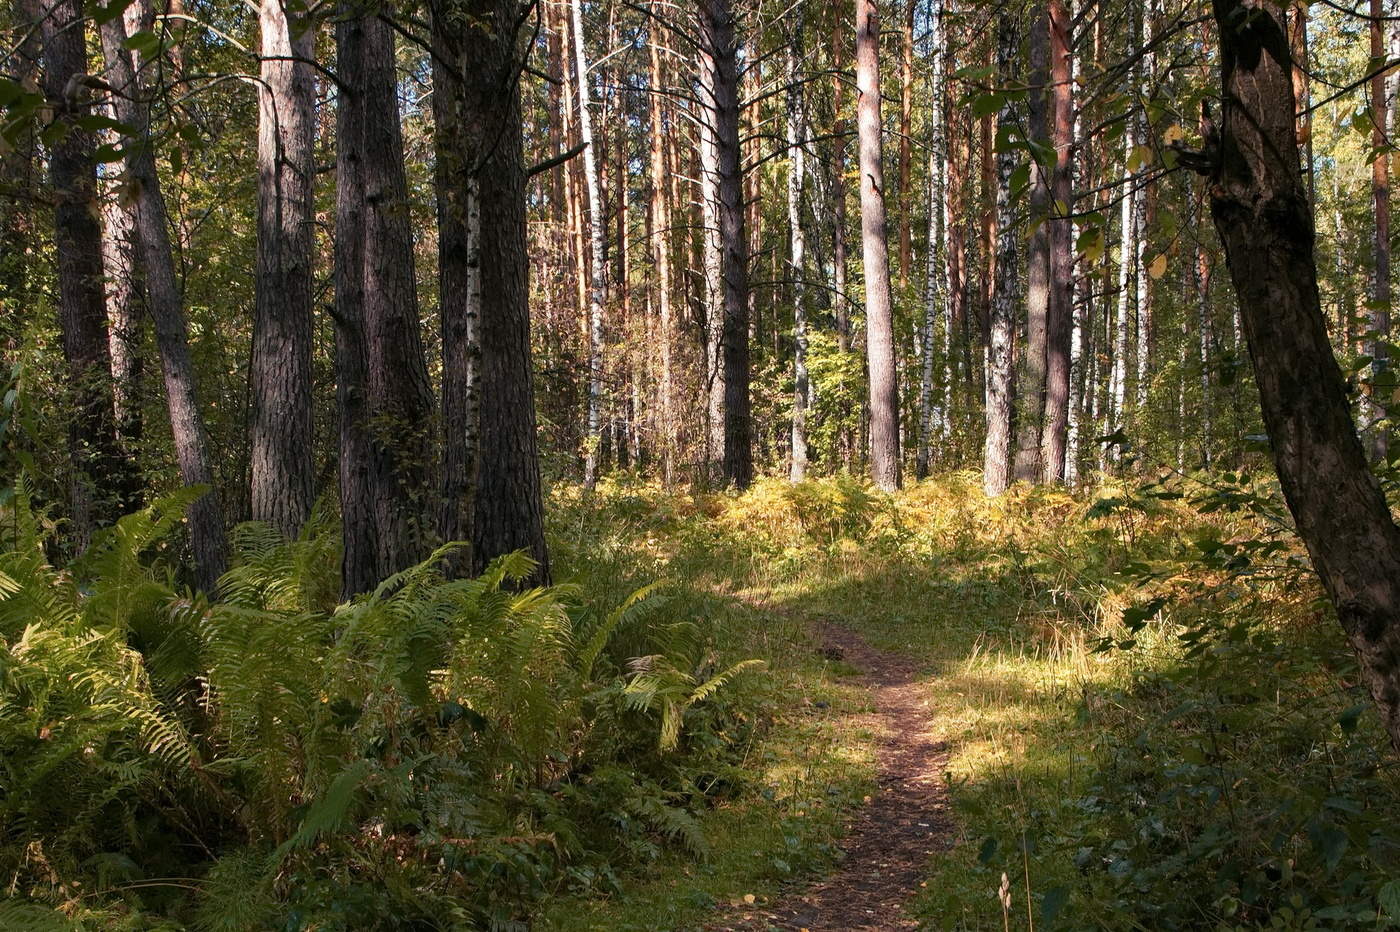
[1218, 768]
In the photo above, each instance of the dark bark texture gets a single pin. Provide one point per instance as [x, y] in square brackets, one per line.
[82, 313]
[280, 369]
[1264, 218]
[720, 56]
[509, 508]
[205, 515]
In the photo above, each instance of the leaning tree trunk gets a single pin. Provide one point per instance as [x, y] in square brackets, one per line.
[879, 310]
[167, 310]
[1031, 391]
[281, 492]
[996, 465]
[598, 271]
[719, 60]
[82, 315]
[1262, 213]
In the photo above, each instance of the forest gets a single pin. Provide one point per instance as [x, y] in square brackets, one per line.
[715, 465]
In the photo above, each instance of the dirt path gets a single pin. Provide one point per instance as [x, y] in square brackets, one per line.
[892, 837]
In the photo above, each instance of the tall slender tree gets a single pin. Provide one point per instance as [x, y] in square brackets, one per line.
[82, 313]
[720, 96]
[997, 455]
[130, 99]
[1374, 407]
[1031, 391]
[879, 306]
[598, 268]
[280, 369]
[1059, 317]
[797, 255]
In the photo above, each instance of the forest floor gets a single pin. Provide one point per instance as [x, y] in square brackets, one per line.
[1035, 712]
[902, 824]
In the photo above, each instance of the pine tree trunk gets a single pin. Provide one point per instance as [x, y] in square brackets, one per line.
[459, 124]
[359, 566]
[996, 468]
[167, 312]
[1374, 406]
[879, 311]
[126, 311]
[1143, 206]
[1059, 325]
[509, 504]
[712, 261]
[281, 491]
[934, 421]
[1030, 418]
[598, 271]
[400, 395]
[667, 426]
[82, 313]
[1265, 222]
[906, 122]
[840, 309]
[719, 60]
[797, 242]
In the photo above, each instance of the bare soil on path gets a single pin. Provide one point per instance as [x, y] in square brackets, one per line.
[889, 843]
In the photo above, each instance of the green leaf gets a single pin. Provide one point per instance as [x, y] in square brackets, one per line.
[144, 43]
[1389, 899]
[987, 104]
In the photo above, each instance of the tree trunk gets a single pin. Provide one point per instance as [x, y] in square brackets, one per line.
[509, 513]
[1265, 222]
[797, 241]
[936, 295]
[598, 271]
[1143, 206]
[879, 311]
[719, 60]
[167, 311]
[996, 467]
[1373, 406]
[457, 129]
[281, 491]
[906, 122]
[1059, 324]
[661, 233]
[359, 566]
[82, 313]
[712, 262]
[839, 307]
[126, 310]
[1031, 391]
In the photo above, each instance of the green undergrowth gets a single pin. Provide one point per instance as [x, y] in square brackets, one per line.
[1154, 721]
[1152, 718]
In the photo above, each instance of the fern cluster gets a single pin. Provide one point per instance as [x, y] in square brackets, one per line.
[438, 750]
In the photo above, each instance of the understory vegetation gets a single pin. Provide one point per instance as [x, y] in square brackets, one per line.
[1152, 723]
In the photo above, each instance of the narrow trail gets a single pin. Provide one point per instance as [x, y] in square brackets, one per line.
[893, 835]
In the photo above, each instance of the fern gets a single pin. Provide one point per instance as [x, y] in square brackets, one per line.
[657, 685]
